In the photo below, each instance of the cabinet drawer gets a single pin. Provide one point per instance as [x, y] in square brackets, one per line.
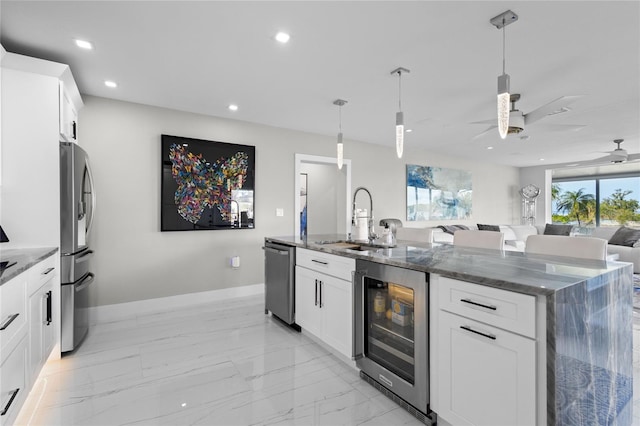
[501, 308]
[13, 312]
[42, 272]
[12, 383]
[330, 264]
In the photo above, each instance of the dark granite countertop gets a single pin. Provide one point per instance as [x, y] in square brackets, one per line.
[511, 270]
[24, 258]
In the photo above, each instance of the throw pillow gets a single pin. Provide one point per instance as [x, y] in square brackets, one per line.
[495, 228]
[450, 229]
[550, 229]
[625, 237]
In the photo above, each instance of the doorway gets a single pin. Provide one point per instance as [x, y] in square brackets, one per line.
[325, 190]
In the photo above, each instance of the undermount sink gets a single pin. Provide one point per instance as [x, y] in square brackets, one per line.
[353, 245]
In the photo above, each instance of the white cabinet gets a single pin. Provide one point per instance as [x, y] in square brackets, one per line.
[13, 347]
[68, 116]
[30, 126]
[324, 298]
[42, 326]
[485, 373]
[13, 382]
[28, 332]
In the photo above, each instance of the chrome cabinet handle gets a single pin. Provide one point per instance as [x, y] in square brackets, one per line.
[321, 284]
[320, 262]
[471, 302]
[9, 321]
[47, 271]
[488, 336]
[6, 407]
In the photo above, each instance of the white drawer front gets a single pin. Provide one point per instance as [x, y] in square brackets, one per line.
[13, 384]
[501, 308]
[13, 312]
[330, 264]
[42, 272]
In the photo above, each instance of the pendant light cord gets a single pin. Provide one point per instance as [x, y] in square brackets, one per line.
[399, 90]
[340, 119]
[504, 28]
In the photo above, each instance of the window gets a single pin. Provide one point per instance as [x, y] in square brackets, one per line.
[597, 201]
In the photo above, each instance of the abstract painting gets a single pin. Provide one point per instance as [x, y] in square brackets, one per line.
[206, 185]
[436, 193]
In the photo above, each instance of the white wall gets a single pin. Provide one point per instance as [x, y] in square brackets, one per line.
[135, 261]
[325, 192]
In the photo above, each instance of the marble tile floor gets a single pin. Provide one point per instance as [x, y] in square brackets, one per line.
[223, 363]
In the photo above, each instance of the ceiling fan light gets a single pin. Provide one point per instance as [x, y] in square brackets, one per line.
[399, 133]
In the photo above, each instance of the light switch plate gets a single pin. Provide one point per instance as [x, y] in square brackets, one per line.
[279, 212]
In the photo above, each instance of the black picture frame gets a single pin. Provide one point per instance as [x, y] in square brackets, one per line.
[206, 185]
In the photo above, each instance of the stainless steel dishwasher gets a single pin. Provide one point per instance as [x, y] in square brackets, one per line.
[279, 281]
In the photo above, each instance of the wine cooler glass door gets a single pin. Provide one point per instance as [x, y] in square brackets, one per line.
[390, 333]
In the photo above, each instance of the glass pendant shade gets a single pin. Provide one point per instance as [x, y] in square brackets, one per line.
[504, 99]
[340, 152]
[399, 133]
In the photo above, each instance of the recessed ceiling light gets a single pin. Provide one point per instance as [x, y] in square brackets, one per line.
[282, 37]
[233, 107]
[409, 130]
[541, 159]
[111, 84]
[489, 147]
[84, 44]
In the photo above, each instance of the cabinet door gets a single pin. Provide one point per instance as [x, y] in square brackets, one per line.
[49, 326]
[36, 329]
[337, 318]
[486, 374]
[307, 301]
[13, 386]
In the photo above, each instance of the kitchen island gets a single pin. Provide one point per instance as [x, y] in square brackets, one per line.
[584, 320]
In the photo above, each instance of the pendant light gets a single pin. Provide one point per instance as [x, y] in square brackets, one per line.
[399, 114]
[340, 147]
[500, 22]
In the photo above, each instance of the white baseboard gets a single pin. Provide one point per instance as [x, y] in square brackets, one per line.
[120, 311]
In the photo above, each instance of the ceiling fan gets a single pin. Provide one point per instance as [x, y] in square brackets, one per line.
[518, 121]
[618, 155]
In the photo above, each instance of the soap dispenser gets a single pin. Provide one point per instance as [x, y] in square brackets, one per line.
[387, 235]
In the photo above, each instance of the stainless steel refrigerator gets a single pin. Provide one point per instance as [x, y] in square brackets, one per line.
[77, 207]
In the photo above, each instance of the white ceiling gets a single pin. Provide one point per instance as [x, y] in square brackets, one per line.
[200, 56]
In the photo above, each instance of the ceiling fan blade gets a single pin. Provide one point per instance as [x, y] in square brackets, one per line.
[633, 157]
[490, 121]
[479, 135]
[550, 108]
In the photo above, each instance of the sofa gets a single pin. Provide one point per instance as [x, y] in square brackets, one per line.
[515, 238]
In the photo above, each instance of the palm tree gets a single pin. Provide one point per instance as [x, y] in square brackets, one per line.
[575, 203]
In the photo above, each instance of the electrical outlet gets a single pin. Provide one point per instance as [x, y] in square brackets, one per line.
[279, 212]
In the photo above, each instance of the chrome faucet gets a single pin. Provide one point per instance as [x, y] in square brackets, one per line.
[238, 210]
[372, 232]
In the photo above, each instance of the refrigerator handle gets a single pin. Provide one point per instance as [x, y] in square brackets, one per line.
[93, 196]
[85, 282]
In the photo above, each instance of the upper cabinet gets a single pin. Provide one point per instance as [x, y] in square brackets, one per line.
[33, 91]
[68, 115]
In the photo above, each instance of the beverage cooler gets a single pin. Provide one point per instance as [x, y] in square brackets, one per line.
[391, 335]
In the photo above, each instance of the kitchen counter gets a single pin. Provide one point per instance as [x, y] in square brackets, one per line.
[588, 307]
[510, 270]
[24, 258]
